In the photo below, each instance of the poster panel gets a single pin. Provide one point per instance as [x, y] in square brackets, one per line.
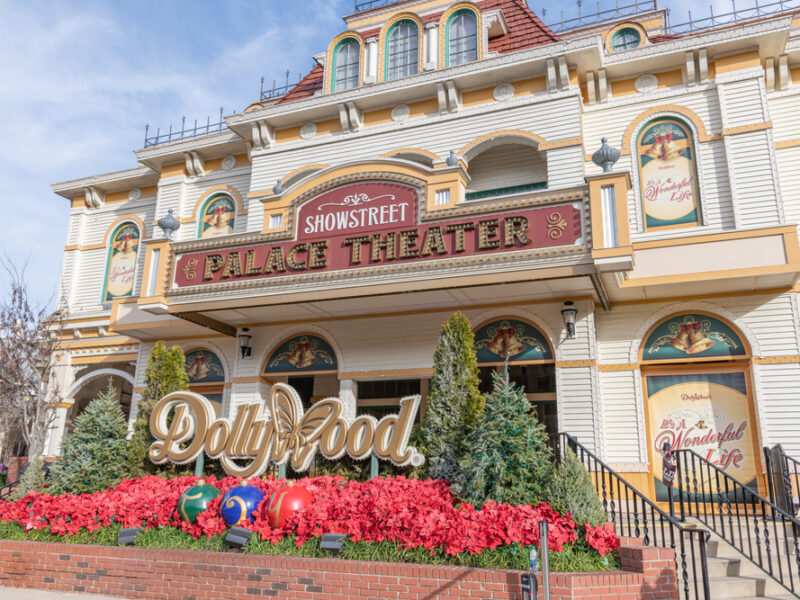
[121, 263]
[218, 217]
[667, 175]
[708, 413]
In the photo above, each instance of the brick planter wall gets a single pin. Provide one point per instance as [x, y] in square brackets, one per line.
[14, 465]
[648, 574]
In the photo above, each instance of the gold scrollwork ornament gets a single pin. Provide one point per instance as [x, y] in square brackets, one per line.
[555, 226]
[190, 270]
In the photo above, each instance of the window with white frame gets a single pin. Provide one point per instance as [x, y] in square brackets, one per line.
[402, 50]
[462, 38]
[346, 58]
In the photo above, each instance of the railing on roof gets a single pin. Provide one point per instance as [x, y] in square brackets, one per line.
[184, 132]
[368, 4]
[734, 16]
[278, 90]
[599, 16]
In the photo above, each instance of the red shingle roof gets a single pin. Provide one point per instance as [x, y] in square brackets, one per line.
[525, 30]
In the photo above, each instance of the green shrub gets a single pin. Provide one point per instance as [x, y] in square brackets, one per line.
[571, 489]
[94, 455]
[32, 480]
[507, 459]
[455, 403]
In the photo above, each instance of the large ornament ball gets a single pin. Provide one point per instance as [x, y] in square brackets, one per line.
[284, 502]
[239, 503]
[195, 500]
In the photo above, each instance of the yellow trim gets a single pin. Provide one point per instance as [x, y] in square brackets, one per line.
[328, 79]
[122, 196]
[747, 128]
[662, 110]
[608, 36]
[709, 275]
[716, 237]
[247, 380]
[571, 364]
[215, 164]
[393, 153]
[107, 358]
[443, 34]
[129, 217]
[618, 367]
[776, 360]
[109, 342]
[311, 167]
[737, 62]
[539, 140]
[161, 275]
[666, 79]
[420, 41]
[787, 144]
[173, 170]
[622, 184]
[84, 248]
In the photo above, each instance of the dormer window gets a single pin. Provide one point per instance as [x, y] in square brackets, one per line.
[462, 38]
[346, 58]
[626, 38]
[402, 50]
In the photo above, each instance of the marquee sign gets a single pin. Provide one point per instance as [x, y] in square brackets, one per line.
[184, 425]
[373, 224]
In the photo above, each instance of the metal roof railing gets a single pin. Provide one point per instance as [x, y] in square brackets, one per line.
[599, 16]
[184, 132]
[734, 16]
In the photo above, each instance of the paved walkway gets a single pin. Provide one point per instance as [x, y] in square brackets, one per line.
[7, 593]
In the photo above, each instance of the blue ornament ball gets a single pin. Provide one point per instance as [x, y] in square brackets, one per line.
[239, 503]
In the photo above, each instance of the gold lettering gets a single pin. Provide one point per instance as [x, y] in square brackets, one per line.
[486, 230]
[517, 227]
[274, 261]
[249, 266]
[233, 265]
[217, 438]
[213, 264]
[291, 258]
[389, 245]
[192, 416]
[458, 230]
[317, 258]
[434, 242]
[408, 239]
[355, 244]
[360, 436]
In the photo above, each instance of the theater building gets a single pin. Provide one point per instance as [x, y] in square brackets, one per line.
[446, 156]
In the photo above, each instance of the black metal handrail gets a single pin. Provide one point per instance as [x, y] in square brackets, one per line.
[783, 478]
[634, 515]
[741, 516]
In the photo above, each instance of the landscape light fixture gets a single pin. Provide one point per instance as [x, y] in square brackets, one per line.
[244, 342]
[127, 536]
[568, 313]
[237, 537]
[332, 542]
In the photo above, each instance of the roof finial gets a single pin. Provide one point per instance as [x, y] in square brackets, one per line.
[605, 156]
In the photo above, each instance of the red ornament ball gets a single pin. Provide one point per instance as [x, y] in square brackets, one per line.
[284, 502]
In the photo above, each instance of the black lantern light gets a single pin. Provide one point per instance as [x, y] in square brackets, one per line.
[244, 342]
[568, 313]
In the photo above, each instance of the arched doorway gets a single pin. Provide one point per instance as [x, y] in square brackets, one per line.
[698, 395]
[531, 363]
[89, 386]
[308, 363]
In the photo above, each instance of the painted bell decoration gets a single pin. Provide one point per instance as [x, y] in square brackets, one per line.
[302, 356]
[505, 343]
[199, 369]
[691, 339]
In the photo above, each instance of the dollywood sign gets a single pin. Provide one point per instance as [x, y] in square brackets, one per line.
[184, 425]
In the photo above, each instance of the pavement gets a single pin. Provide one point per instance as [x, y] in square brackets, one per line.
[7, 593]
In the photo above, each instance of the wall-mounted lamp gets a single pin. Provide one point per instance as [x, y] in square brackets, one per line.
[568, 313]
[244, 342]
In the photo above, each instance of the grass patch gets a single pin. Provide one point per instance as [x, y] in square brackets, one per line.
[575, 558]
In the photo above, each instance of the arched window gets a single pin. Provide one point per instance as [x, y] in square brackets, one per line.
[346, 57]
[462, 38]
[206, 376]
[668, 175]
[402, 50]
[626, 38]
[121, 267]
[217, 216]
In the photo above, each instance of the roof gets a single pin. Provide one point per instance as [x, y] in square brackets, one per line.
[525, 30]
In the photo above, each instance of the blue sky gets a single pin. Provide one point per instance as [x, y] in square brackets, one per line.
[80, 80]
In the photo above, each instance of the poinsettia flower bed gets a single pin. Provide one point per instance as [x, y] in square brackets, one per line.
[409, 512]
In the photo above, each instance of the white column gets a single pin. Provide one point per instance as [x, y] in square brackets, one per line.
[348, 394]
[608, 196]
[371, 68]
[431, 53]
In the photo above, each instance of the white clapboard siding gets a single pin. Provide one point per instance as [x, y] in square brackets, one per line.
[577, 409]
[505, 166]
[788, 160]
[565, 167]
[750, 165]
[783, 113]
[553, 121]
[714, 183]
[621, 431]
[196, 188]
[742, 102]
[779, 406]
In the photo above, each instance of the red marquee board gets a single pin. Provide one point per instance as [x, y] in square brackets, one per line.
[373, 224]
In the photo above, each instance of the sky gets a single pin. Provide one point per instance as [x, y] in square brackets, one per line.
[81, 79]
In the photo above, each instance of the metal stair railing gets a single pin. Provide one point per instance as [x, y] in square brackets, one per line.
[741, 517]
[783, 478]
[634, 515]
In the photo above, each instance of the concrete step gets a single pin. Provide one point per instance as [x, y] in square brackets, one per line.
[724, 588]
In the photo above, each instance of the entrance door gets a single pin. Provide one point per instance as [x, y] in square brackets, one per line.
[304, 387]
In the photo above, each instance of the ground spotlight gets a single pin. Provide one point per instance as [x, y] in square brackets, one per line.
[127, 536]
[332, 542]
[237, 537]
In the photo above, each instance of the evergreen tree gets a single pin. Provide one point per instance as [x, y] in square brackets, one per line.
[32, 480]
[165, 373]
[94, 455]
[508, 459]
[455, 403]
[572, 490]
